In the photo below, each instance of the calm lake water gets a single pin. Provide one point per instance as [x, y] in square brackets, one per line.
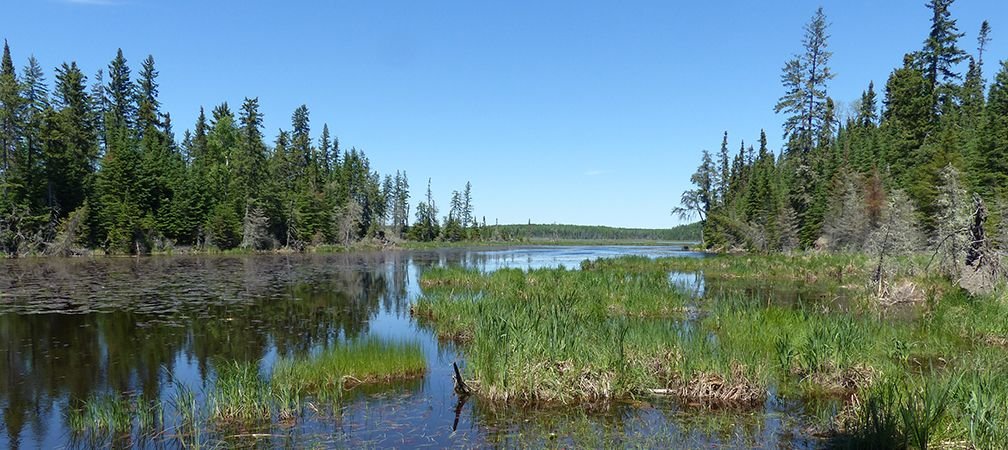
[73, 328]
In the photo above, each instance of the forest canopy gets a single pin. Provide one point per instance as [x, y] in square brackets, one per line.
[96, 163]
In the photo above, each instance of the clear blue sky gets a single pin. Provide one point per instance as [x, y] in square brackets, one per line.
[557, 111]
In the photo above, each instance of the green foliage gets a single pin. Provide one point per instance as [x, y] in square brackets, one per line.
[836, 179]
[112, 148]
[560, 232]
[343, 366]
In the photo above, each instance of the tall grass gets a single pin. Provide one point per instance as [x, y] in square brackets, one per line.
[102, 413]
[922, 378]
[327, 374]
[240, 395]
[103, 419]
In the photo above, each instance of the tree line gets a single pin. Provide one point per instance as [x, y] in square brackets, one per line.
[96, 164]
[914, 170]
[682, 233]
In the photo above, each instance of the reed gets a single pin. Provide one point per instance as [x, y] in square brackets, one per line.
[240, 395]
[341, 367]
[618, 329]
[102, 413]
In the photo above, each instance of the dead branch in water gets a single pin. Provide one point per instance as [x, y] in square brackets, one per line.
[460, 385]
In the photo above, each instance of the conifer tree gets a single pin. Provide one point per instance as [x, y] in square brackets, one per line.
[121, 94]
[724, 172]
[941, 52]
[70, 144]
[325, 157]
[991, 164]
[868, 108]
[907, 117]
[148, 111]
[11, 108]
[37, 108]
[250, 161]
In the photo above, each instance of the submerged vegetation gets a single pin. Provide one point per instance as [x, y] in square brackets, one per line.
[915, 372]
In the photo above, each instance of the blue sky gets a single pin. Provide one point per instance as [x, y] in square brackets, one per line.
[558, 112]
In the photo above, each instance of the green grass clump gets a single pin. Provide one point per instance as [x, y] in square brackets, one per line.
[903, 412]
[339, 367]
[104, 413]
[107, 415]
[240, 395]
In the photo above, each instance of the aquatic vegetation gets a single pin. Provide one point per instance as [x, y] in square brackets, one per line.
[188, 430]
[101, 420]
[240, 395]
[102, 413]
[343, 366]
[915, 378]
[242, 398]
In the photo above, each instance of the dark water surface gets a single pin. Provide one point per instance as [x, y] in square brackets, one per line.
[74, 328]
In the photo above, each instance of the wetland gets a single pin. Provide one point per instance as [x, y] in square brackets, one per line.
[559, 346]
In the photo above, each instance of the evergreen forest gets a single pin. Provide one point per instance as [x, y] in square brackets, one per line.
[95, 163]
[913, 164]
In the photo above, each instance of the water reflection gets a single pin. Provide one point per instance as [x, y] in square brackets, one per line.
[70, 328]
[691, 283]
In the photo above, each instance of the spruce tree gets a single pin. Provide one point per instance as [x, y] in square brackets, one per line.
[121, 94]
[941, 52]
[250, 160]
[804, 79]
[868, 108]
[148, 111]
[11, 108]
[906, 118]
[37, 108]
[724, 172]
[991, 164]
[70, 145]
[324, 148]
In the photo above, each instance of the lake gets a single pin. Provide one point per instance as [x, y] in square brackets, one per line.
[71, 329]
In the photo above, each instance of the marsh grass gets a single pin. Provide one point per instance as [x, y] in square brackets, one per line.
[342, 367]
[241, 398]
[102, 413]
[240, 395]
[920, 377]
[107, 419]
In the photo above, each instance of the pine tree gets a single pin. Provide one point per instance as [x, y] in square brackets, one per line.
[699, 201]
